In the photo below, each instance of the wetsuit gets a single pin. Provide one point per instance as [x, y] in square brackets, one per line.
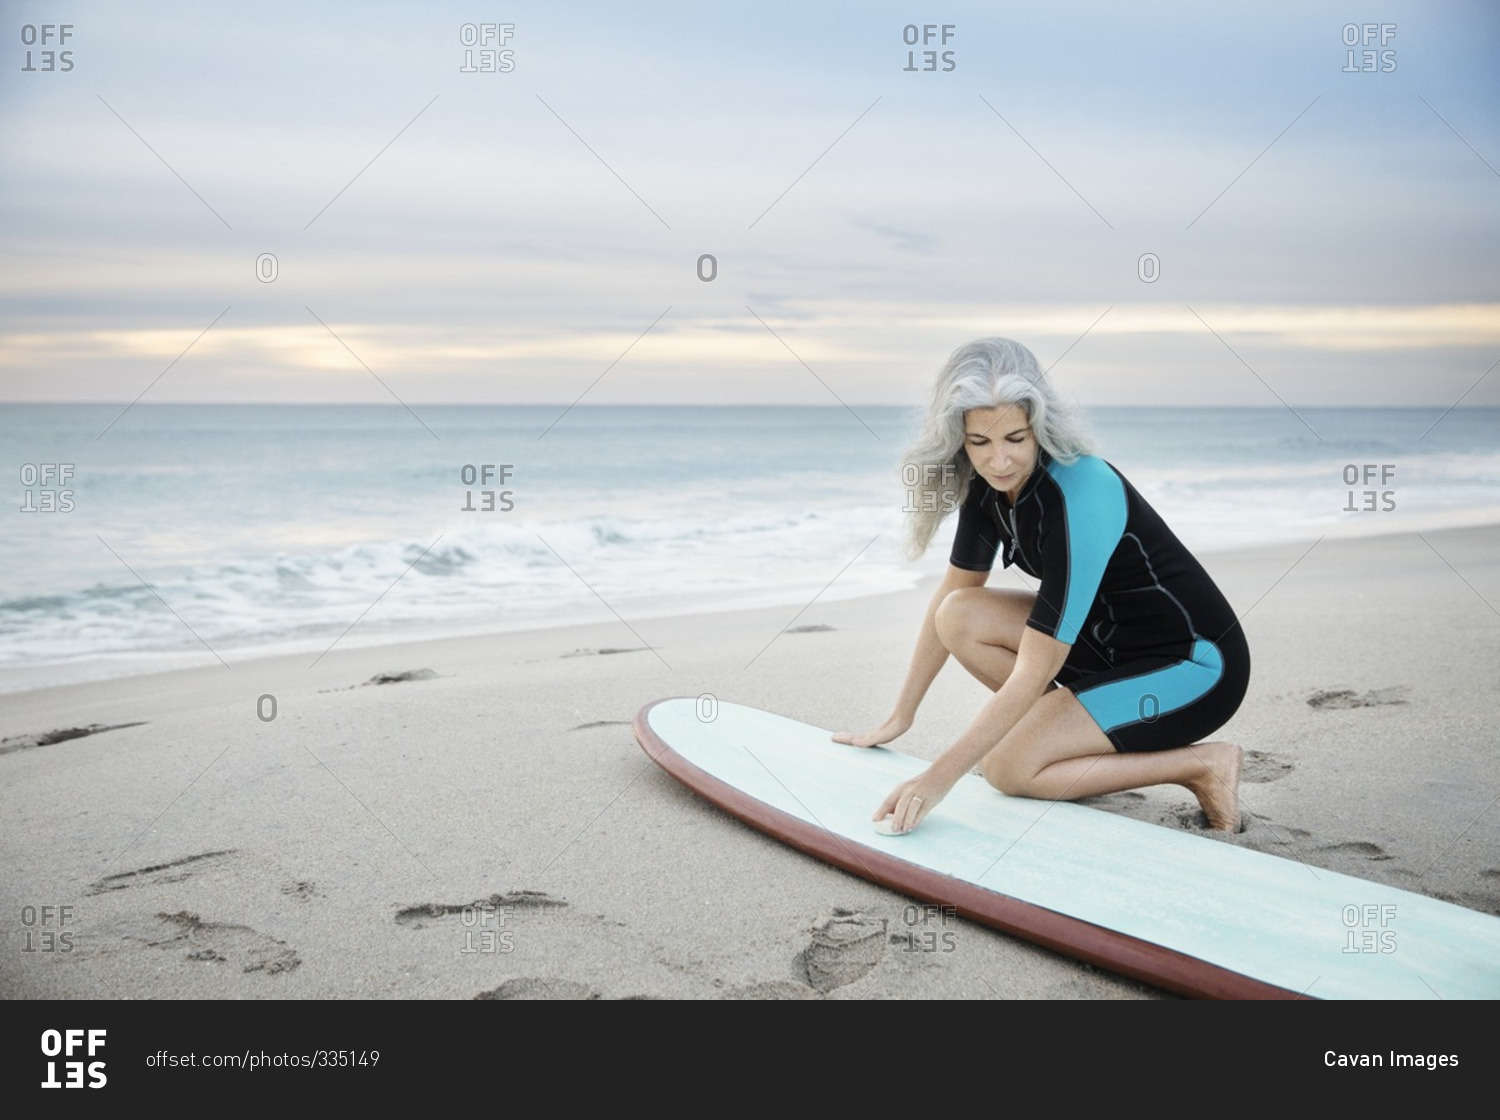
[1158, 658]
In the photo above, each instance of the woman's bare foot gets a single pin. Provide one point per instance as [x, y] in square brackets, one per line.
[1218, 789]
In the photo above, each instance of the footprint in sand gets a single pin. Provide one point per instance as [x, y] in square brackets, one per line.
[537, 987]
[1362, 848]
[604, 650]
[1261, 767]
[1281, 835]
[60, 735]
[1338, 698]
[1195, 820]
[159, 873]
[601, 723]
[425, 914]
[405, 675]
[843, 946]
[217, 943]
[389, 678]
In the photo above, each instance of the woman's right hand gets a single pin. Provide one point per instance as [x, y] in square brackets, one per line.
[894, 727]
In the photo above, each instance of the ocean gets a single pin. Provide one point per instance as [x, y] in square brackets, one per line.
[181, 533]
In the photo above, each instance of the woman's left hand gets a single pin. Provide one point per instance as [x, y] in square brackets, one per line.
[912, 800]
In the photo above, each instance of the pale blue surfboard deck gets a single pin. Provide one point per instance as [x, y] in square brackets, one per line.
[1277, 920]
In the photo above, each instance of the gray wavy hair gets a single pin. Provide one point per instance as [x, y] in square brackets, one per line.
[985, 373]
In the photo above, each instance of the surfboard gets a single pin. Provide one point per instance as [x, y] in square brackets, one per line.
[1186, 912]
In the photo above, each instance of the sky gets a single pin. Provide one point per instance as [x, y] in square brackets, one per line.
[1171, 204]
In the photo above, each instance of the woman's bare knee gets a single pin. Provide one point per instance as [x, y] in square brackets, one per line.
[1005, 774]
[988, 615]
[954, 617]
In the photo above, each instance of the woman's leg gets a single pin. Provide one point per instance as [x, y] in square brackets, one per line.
[982, 628]
[1058, 753]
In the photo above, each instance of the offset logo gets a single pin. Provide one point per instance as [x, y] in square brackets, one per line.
[46, 929]
[48, 59]
[67, 1044]
[49, 478]
[1368, 473]
[489, 38]
[928, 940]
[930, 487]
[1367, 928]
[1371, 61]
[926, 35]
[483, 474]
[486, 939]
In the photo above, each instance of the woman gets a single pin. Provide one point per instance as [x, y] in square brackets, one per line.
[1126, 655]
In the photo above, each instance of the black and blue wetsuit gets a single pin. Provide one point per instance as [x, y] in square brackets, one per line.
[1158, 658]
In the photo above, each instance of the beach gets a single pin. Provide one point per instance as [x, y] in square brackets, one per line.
[492, 830]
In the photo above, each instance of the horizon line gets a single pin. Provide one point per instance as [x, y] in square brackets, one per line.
[694, 404]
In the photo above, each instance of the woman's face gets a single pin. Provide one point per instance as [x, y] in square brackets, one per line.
[1001, 446]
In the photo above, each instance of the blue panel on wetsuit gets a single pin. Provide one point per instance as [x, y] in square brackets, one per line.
[1124, 702]
[1094, 501]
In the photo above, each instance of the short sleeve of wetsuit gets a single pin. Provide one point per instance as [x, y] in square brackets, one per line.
[1077, 542]
[976, 540]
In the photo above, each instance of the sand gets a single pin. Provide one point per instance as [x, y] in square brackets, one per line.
[493, 830]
